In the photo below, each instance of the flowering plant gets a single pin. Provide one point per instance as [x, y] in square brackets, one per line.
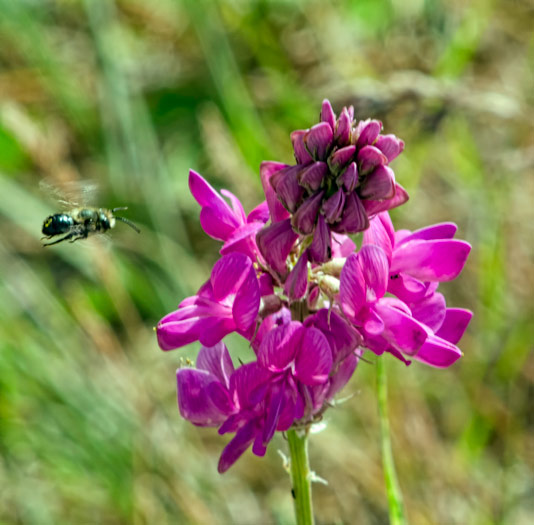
[292, 282]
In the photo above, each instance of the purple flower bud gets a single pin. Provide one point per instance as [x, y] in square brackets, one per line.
[275, 243]
[301, 153]
[368, 132]
[313, 175]
[267, 170]
[297, 281]
[318, 140]
[372, 207]
[287, 188]
[380, 184]
[327, 114]
[320, 249]
[343, 128]
[354, 218]
[369, 157]
[340, 158]
[304, 218]
[349, 178]
[390, 146]
[333, 207]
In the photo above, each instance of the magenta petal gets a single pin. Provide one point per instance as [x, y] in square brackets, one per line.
[349, 178]
[259, 214]
[217, 361]
[343, 128]
[406, 288]
[318, 140]
[286, 185]
[228, 273]
[193, 399]
[438, 260]
[369, 131]
[444, 230]
[454, 324]
[375, 270]
[305, 217]
[275, 243]
[314, 359]
[352, 287]
[212, 329]
[369, 158]
[430, 311]
[237, 207]
[279, 346]
[267, 169]
[342, 246]
[378, 235]
[301, 153]
[247, 303]
[248, 385]
[342, 375]
[273, 412]
[354, 218]
[239, 444]
[340, 158]
[402, 331]
[320, 249]
[372, 207]
[380, 184]
[175, 334]
[313, 175]
[438, 353]
[333, 207]
[296, 283]
[217, 226]
[390, 146]
[327, 114]
[242, 240]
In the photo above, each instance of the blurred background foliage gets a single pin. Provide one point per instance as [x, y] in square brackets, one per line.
[132, 94]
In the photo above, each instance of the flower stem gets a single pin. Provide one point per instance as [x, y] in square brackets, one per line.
[396, 507]
[300, 476]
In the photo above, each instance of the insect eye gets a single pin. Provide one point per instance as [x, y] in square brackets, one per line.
[48, 221]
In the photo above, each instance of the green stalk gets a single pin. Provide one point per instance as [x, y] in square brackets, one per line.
[300, 476]
[395, 504]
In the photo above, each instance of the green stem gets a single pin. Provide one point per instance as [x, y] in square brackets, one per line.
[300, 476]
[396, 507]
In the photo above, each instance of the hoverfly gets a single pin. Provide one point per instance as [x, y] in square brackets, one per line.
[79, 221]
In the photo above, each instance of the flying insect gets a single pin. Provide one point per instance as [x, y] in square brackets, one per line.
[80, 223]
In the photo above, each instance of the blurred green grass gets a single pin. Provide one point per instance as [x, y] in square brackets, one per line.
[132, 95]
